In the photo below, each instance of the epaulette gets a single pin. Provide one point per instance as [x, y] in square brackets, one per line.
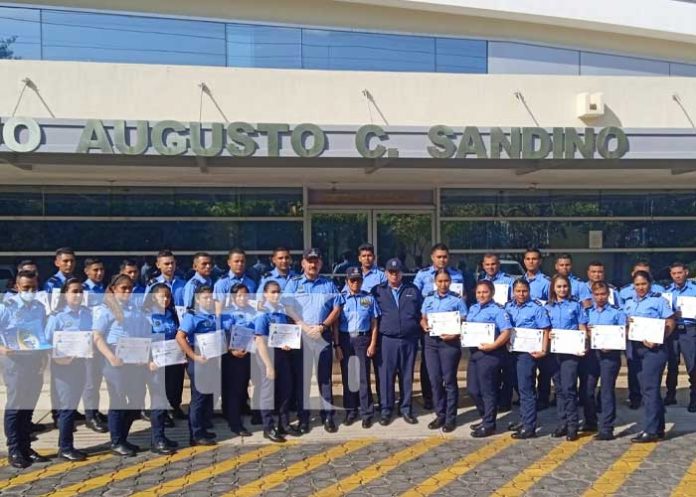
[430, 294]
[625, 287]
[296, 278]
[266, 275]
[425, 269]
[539, 302]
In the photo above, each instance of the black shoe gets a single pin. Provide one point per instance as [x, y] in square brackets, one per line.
[96, 424]
[37, 428]
[209, 434]
[515, 426]
[482, 432]
[122, 450]
[203, 441]
[133, 447]
[588, 427]
[79, 416]
[273, 436]
[661, 435]
[475, 426]
[572, 435]
[168, 421]
[398, 409]
[101, 417]
[436, 424]
[643, 438]
[410, 419]
[542, 405]
[36, 457]
[559, 432]
[256, 419]
[634, 404]
[242, 432]
[367, 423]
[18, 461]
[289, 430]
[385, 420]
[670, 399]
[428, 405]
[504, 408]
[145, 415]
[448, 427]
[692, 406]
[350, 419]
[330, 426]
[72, 455]
[177, 413]
[606, 435]
[524, 434]
[171, 443]
[304, 428]
[516, 402]
[162, 448]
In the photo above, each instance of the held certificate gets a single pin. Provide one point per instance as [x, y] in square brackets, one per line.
[457, 288]
[687, 306]
[608, 337]
[650, 329]
[474, 334]
[180, 312]
[567, 341]
[133, 350]
[526, 340]
[242, 338]
[444, 323]
[211, 344]
[285, 335]
[502, 291]
[73, 344]
[669, 298]
[167, 353]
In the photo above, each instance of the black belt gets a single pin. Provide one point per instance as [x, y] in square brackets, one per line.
[358, 333]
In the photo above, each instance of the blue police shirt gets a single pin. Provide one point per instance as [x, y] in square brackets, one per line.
[134, 324]
[501, 278]
[242, 316]
[95, 292]
[538, 285]
[607, 315]
[357, 312]
[435, 302]
[164, 325]
[190, 288]
[425, 279]
[629, 291]
[566, 314]
[198, 322]
[68, 319]
[270, 314]
[17, 316]
[490, 312]
[373, 277]
[652, 305]
[586, 294]
[274, 275]
[176, 285]
[528, 315]
[225, 284]
[56, 281]
[687, 290]
[313, 300]
[576, 285]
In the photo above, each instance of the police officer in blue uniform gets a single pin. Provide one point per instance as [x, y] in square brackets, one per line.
[443, 352]
[203, 372]
[650, 358]
[684, 337]
[565, 313]
[94, 284]
[68, 373]
[130, 268]
[425, 282]
[236, 260]
[119, 317]
[564, 266]
[596, 273]
[313, 302]
[508, 377]
[399, 333]
[357, 337]
[24, 265]
[602, 365]
[527, 313]
[66, 262]
[281, 273]
[203, 267]
[21, 315]
[166, 264]
[626, 292]
[164, 323]
[484, 369]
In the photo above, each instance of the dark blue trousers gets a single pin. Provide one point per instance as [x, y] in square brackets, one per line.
[126, 387]
[174, 383]
[360, 400]
[443, 360]
[235, 382]
[687, 344]
[547, 369]
[589, 373]
[276, 392]
[94, 371]
[483, 379]
[632, 363]
[319, 354]
[508, 378]
[651, 365]
[396, 356]
[68, 386]
[526, 381]
[565, 379]
[23, 380]
[156, 386]
[205, 386]
[673, 347]
[426, 384]
[603, 367]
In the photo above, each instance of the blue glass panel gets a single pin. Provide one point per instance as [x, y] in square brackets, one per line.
[21, 31]
[682, 70]
[264, 46]
[119, 38]
[323, 49]
[520, 58]
[464, 56]
[596, 64]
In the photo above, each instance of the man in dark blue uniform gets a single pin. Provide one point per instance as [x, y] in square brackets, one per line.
[65, 262]
[399, 333]
[236, 260]
[203, 267]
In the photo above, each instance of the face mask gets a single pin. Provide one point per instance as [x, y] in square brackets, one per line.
[27, 296]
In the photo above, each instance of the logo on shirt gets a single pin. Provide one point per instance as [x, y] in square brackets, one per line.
[365, 302]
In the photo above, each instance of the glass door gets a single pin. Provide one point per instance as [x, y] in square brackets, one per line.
[338, 234]
[406, 235]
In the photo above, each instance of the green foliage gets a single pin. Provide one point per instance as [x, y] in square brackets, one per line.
[5, 50]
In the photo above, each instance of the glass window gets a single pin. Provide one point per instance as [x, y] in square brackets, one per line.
[121, 38]
[682, 69]
[21, 201]
[596, 64]
[263, 46]
[520, 58]
[323, 49]
[20, 33]
[460, 56]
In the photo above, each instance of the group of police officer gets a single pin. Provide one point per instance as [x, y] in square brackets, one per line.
[377, 321]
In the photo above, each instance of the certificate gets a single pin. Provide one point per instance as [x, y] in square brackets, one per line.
[133, 350]
[669, 298]
[457, 288]
[444, 323]
[567, 341]
[181, 312]
[285, 335]
[474, 334]
[26, 337]
[608, 337]
[73, 344]
[242, 338]
[502, 292]
[687, 306]
[650, 329]
[167, 353]
[212, 344]
[526, 340]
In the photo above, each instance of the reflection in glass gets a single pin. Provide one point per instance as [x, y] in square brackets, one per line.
[337, 236]
[406, 236]
[263, 46]
[20, 33]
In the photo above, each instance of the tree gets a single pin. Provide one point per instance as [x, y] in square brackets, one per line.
[5, 51]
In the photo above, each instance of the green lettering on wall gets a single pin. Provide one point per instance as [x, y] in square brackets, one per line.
[198, 143]
[94, 137]
[241, 142]
[530, 138]
[362, 141]
[442, 138]
[573, 143]
[471, 143]
[122, 142]
[299, 137]
[500, 142]
[273, 131]
[606, 136]
[168, 138]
